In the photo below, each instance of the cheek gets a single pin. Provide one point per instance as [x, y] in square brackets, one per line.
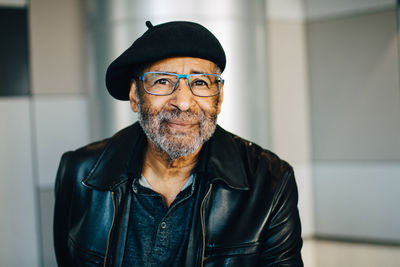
[209, 105]
[152, 102]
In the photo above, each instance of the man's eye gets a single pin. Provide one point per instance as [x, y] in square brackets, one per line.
[161, 81]
[200, 83]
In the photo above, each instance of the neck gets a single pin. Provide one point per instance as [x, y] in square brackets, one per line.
[162, 166]
[165, 175]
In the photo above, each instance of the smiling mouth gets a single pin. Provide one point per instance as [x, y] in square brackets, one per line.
[180, 125]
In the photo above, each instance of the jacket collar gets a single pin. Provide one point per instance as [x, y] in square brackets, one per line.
[110, 168]
[221, 159]
[225, 160]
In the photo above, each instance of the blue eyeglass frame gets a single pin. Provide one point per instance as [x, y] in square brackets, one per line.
[179, 76]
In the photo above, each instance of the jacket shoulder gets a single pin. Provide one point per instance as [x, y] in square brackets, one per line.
[247, 161]
[95, 149]
[253, 155]
[88, 152]
[84, 160]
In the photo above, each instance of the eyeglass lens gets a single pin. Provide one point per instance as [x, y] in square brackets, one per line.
[164, 83]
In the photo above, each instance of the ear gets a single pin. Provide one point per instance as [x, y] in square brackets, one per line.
[133, 97]
[221, 98]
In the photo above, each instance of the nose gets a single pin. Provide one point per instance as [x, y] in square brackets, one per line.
[182, 96]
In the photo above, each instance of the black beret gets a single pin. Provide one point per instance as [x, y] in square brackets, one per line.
[171, 39]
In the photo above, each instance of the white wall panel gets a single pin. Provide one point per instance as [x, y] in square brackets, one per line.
[289, 106]
[56, 47]
[355, 122]
[358, 200]
[303, 174]
[317, 9]
[354, 86]
[287, 10]
[333, 254]
[13, 3]
[46, 214]
[290, 112]
[19, 242]
[61, 124]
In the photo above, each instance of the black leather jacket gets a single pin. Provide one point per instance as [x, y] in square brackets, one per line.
[246, 205]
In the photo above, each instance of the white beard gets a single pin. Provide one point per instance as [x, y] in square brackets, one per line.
[176, 143]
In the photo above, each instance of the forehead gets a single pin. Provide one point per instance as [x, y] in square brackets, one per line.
[183, 65]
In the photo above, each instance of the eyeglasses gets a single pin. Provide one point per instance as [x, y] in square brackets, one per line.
[165, 83]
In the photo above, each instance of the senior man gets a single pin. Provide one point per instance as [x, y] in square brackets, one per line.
[174, 189]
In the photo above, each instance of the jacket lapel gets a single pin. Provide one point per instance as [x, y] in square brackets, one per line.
[225, 160]
[110, 169]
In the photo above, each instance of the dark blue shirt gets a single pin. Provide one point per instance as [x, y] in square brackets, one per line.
[158, 235]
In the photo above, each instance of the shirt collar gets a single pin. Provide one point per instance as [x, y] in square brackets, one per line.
[143, 182]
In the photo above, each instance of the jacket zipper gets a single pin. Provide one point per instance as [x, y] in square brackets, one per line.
[111, 227]
[203, 225]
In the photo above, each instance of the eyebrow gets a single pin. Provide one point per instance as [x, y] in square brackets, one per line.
[198, 72]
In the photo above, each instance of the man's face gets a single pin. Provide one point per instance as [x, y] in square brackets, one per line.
[179, 123]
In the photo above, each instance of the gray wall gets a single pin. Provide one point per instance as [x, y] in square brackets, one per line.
[19, 225]
[60, 119]
[355, 125]
[355, 96]
[38, 126]
[289, 106]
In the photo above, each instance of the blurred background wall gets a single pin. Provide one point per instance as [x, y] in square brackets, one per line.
[317, 82]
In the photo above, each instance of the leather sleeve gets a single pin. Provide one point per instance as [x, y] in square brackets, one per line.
[283, 241]
[63, 194]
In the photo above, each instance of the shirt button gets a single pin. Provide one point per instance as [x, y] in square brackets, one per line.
[163, 225]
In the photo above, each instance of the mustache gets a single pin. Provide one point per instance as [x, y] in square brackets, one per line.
[176, 114]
